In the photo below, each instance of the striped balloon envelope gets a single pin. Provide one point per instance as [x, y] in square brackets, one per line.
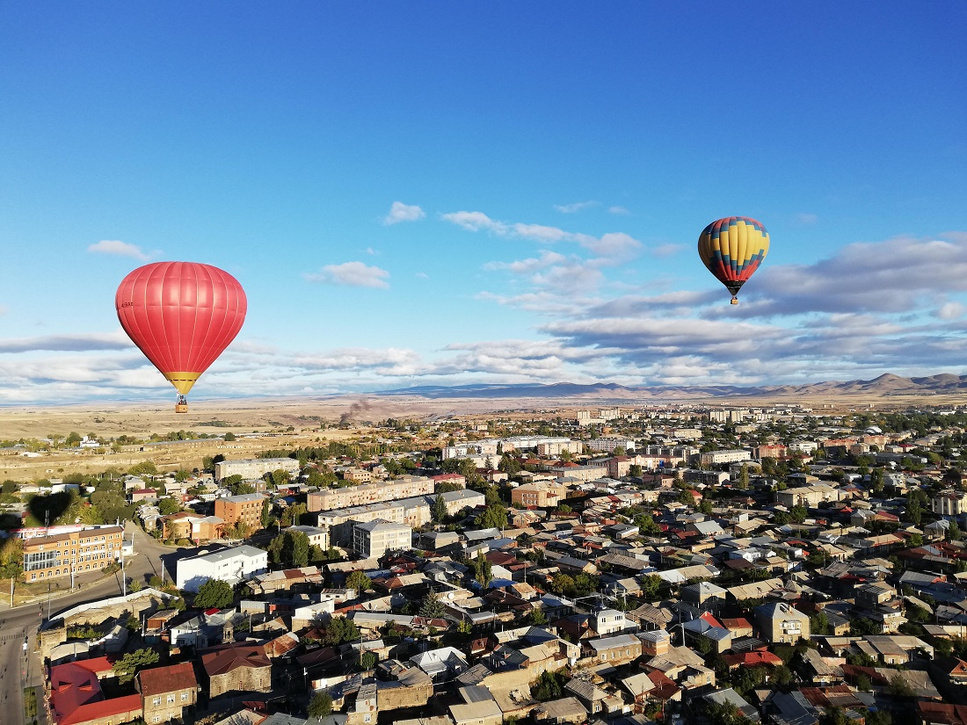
[733, 248]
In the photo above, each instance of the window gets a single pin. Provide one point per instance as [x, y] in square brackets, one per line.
[171, 698]
[156, 701]
[184, 696]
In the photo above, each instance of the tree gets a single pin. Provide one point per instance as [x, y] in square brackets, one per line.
[432, 607]
[953, 532]
[168, 506]
[819, 623]
[549, 686]
[743, 482]
[128, 666]
[321, 705]
[359, 581]
[297, 548]
[646, 525]
[899, 687]
[439, 509]
[368, 661]
[483, 570]
[509, 465]
[265, 517]
[650, 586]
[229, 437]
[10, 486]
[292, 516]
[562, 584]
[145, 468]
[214, 593]
[493, 517]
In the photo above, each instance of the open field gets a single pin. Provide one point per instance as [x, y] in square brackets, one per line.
[291, 422]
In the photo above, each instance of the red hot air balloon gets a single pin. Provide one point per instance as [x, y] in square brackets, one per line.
[182, 315]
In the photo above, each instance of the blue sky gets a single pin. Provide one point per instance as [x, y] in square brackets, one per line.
[446, 193]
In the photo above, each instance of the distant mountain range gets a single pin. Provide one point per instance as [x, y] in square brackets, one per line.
[885, 385]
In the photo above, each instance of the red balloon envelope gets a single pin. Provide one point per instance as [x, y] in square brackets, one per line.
[182, 315]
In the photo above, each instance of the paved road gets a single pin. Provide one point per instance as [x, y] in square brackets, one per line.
[20, 668]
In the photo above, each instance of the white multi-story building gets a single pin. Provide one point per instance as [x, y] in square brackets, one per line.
[949, 502]
[485, 448]
[728, 416]
[317, 536]
[374, 538]
[255, 467]
[230, 565]
[712, 458]
[410, 511]
[610, 444]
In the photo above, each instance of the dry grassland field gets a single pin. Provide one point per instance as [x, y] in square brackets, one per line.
[287, 423]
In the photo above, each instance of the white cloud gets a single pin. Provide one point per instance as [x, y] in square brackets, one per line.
[806, 220]
[118, 248]
[540, 233]
[475, 221]
[399, 361]
[575, 207]
[527, 266]
[616, 245]
[400, 212]
[67, 343]
[663, 251]
[618, 210]
[350, 274]
[422, 275]
[951, 311]
[891, 276]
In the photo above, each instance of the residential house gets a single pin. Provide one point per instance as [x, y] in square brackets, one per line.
[237, 668]
[167, 691]
[779, 623]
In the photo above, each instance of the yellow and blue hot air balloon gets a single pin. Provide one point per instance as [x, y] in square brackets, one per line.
[733, 248]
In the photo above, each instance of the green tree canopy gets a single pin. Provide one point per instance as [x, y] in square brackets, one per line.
[359, 581]
[214, 593]
[131, 663]
[321, 705]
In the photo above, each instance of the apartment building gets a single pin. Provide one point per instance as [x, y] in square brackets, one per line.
[230, 565]
[46, 557]
[374, 538]
[337, 498]
[713, 458]
[246, 509]
[255, 467]
[610, 444]
[542, 494]
[949, 503]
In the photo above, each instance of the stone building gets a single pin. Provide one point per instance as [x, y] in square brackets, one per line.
[237, 668]
[166, 691]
